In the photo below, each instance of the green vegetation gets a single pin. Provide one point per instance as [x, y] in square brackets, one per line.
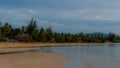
[31, 33]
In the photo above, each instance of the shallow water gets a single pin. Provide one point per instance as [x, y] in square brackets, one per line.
[89, 56]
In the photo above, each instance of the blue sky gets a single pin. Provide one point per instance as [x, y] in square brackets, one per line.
[64, 15]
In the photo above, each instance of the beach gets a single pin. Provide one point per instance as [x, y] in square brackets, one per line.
[31, 60]
[22, 55]
[29, 45]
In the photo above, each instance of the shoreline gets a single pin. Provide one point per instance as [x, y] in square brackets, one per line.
[14, 55]
[32, 60]
[27, 45]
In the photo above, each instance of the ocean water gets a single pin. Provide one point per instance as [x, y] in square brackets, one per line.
[89, 56]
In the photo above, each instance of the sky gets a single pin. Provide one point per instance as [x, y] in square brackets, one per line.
[72, 16]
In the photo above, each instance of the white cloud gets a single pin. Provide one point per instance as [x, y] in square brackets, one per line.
[57, 24]
[79, 14]
[65, 15]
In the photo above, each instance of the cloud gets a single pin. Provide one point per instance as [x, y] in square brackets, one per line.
[64, 15]
[65, 9]
[53, 15]
[57, 24]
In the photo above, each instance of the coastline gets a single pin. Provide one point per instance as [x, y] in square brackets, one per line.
[28, 45]
[32, 60]
[22, 55]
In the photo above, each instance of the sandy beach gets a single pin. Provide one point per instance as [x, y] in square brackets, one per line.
[32, 60]
[27, 45]
[23, 45]
[12, 57]
[18, 55]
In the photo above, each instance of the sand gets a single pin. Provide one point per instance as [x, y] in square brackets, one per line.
[32, 60]
[23, 45]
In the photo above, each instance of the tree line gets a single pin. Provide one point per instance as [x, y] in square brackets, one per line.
[31, 33]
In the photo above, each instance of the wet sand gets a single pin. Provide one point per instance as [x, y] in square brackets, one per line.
[32, 60]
